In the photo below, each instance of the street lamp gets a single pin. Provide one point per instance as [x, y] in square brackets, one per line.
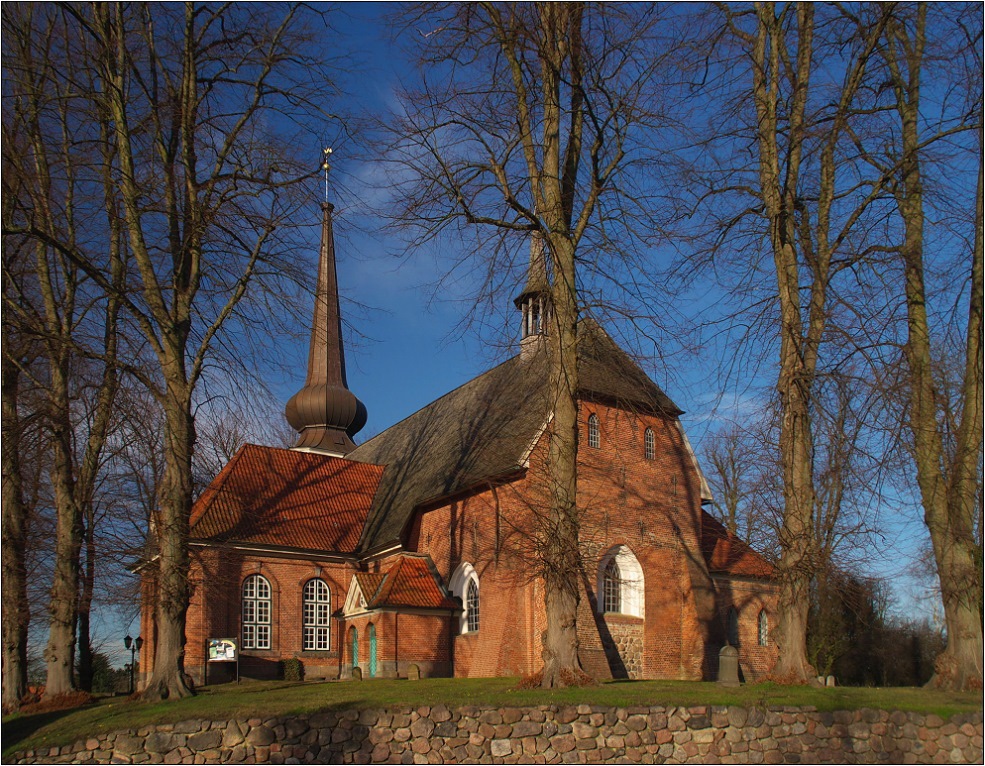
[134, 646]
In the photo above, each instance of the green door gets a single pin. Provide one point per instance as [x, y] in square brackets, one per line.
[372, 651]
[355, 647]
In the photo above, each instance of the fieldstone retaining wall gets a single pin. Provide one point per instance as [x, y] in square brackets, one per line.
[546, 734]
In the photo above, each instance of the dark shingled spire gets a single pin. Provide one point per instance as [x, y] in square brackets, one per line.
[325, 412]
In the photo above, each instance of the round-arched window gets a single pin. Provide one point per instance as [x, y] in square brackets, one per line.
[465, 585]
[315, 616]
[256, 612]
[620, 584]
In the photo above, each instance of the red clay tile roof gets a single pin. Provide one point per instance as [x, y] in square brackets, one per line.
[287, 498]
[410, 582]
[727, 554]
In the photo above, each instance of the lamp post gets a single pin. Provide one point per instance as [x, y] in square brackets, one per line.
[134, 646]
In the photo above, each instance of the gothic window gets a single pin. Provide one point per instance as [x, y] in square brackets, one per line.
[610, 588]
[472, 606]
[316, 621]
[733, 626]
[764, 628]
[465, 585]
[620, 583]
[649, 445]
[594, 440]
[256, 612]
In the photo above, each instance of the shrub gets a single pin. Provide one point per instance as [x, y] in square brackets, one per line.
[293, 669]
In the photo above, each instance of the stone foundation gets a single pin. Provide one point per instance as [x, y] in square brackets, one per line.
[546, 734]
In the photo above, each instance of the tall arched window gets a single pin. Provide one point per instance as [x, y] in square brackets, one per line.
[610, 588]
[620, 583]
[764, 628]
[649, 445]
[733, 626]
[465, 584]
[315, 611]
[472, 606]
[256, 612]
[594, 439]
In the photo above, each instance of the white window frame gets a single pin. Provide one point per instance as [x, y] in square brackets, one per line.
[611, 587]
[257, 605]
[594, 432]
[763, 628]
[649, 445]
[630, 581]
[464, 576]
[316, 608]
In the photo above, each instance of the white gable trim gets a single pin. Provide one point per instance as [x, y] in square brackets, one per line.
[355, 601]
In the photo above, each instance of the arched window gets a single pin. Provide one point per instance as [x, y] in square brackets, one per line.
[594, 439]
[316, 608]
[472, 606]
[620, 583]
[764, 628]
[256, 612]
[733, 626]
[465, 585]
[649, 445]
[610, 588]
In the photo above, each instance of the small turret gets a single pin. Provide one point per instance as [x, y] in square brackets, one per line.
[534, 301]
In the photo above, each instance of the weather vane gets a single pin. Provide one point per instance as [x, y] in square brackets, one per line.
[326, 152]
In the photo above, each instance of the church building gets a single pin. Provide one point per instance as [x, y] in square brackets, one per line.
[414, 553]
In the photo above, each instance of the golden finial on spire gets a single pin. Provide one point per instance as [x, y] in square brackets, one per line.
[326, 152]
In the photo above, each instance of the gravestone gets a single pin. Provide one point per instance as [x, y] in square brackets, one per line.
[413, 672]
[357, 674]
[728, 666]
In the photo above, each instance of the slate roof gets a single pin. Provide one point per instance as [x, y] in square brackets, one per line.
[410, 582]
[727, 554]
[287, 498]
[485, 429]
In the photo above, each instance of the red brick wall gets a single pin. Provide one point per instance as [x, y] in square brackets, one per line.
[651, 506]
[216, 577]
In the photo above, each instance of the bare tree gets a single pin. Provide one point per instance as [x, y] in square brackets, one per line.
[949, 481]
[806, 208]
[204, 106]
[533, 132]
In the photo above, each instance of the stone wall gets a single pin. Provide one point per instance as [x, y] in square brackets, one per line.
[546, 734]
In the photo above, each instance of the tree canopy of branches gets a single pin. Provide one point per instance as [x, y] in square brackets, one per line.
[526, 121]
[178, 128]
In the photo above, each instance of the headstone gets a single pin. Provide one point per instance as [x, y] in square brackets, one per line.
[830, 681]
[357, 674]
[728, 666]
[413, 672]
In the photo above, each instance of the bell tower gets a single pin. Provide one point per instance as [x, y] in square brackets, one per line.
[534, 301]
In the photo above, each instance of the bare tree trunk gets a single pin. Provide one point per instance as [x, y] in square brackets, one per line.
[562, 564]
[171, 537]
[797, 359]
[948, 492]
[16, 613]
[86, 587]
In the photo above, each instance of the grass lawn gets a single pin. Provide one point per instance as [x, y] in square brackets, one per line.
[278, 698]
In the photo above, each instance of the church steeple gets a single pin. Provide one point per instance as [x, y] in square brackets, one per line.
[534, 301]
[325, 413]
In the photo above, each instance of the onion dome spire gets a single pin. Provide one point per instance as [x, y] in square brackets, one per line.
[325, 413]
[534, 301]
